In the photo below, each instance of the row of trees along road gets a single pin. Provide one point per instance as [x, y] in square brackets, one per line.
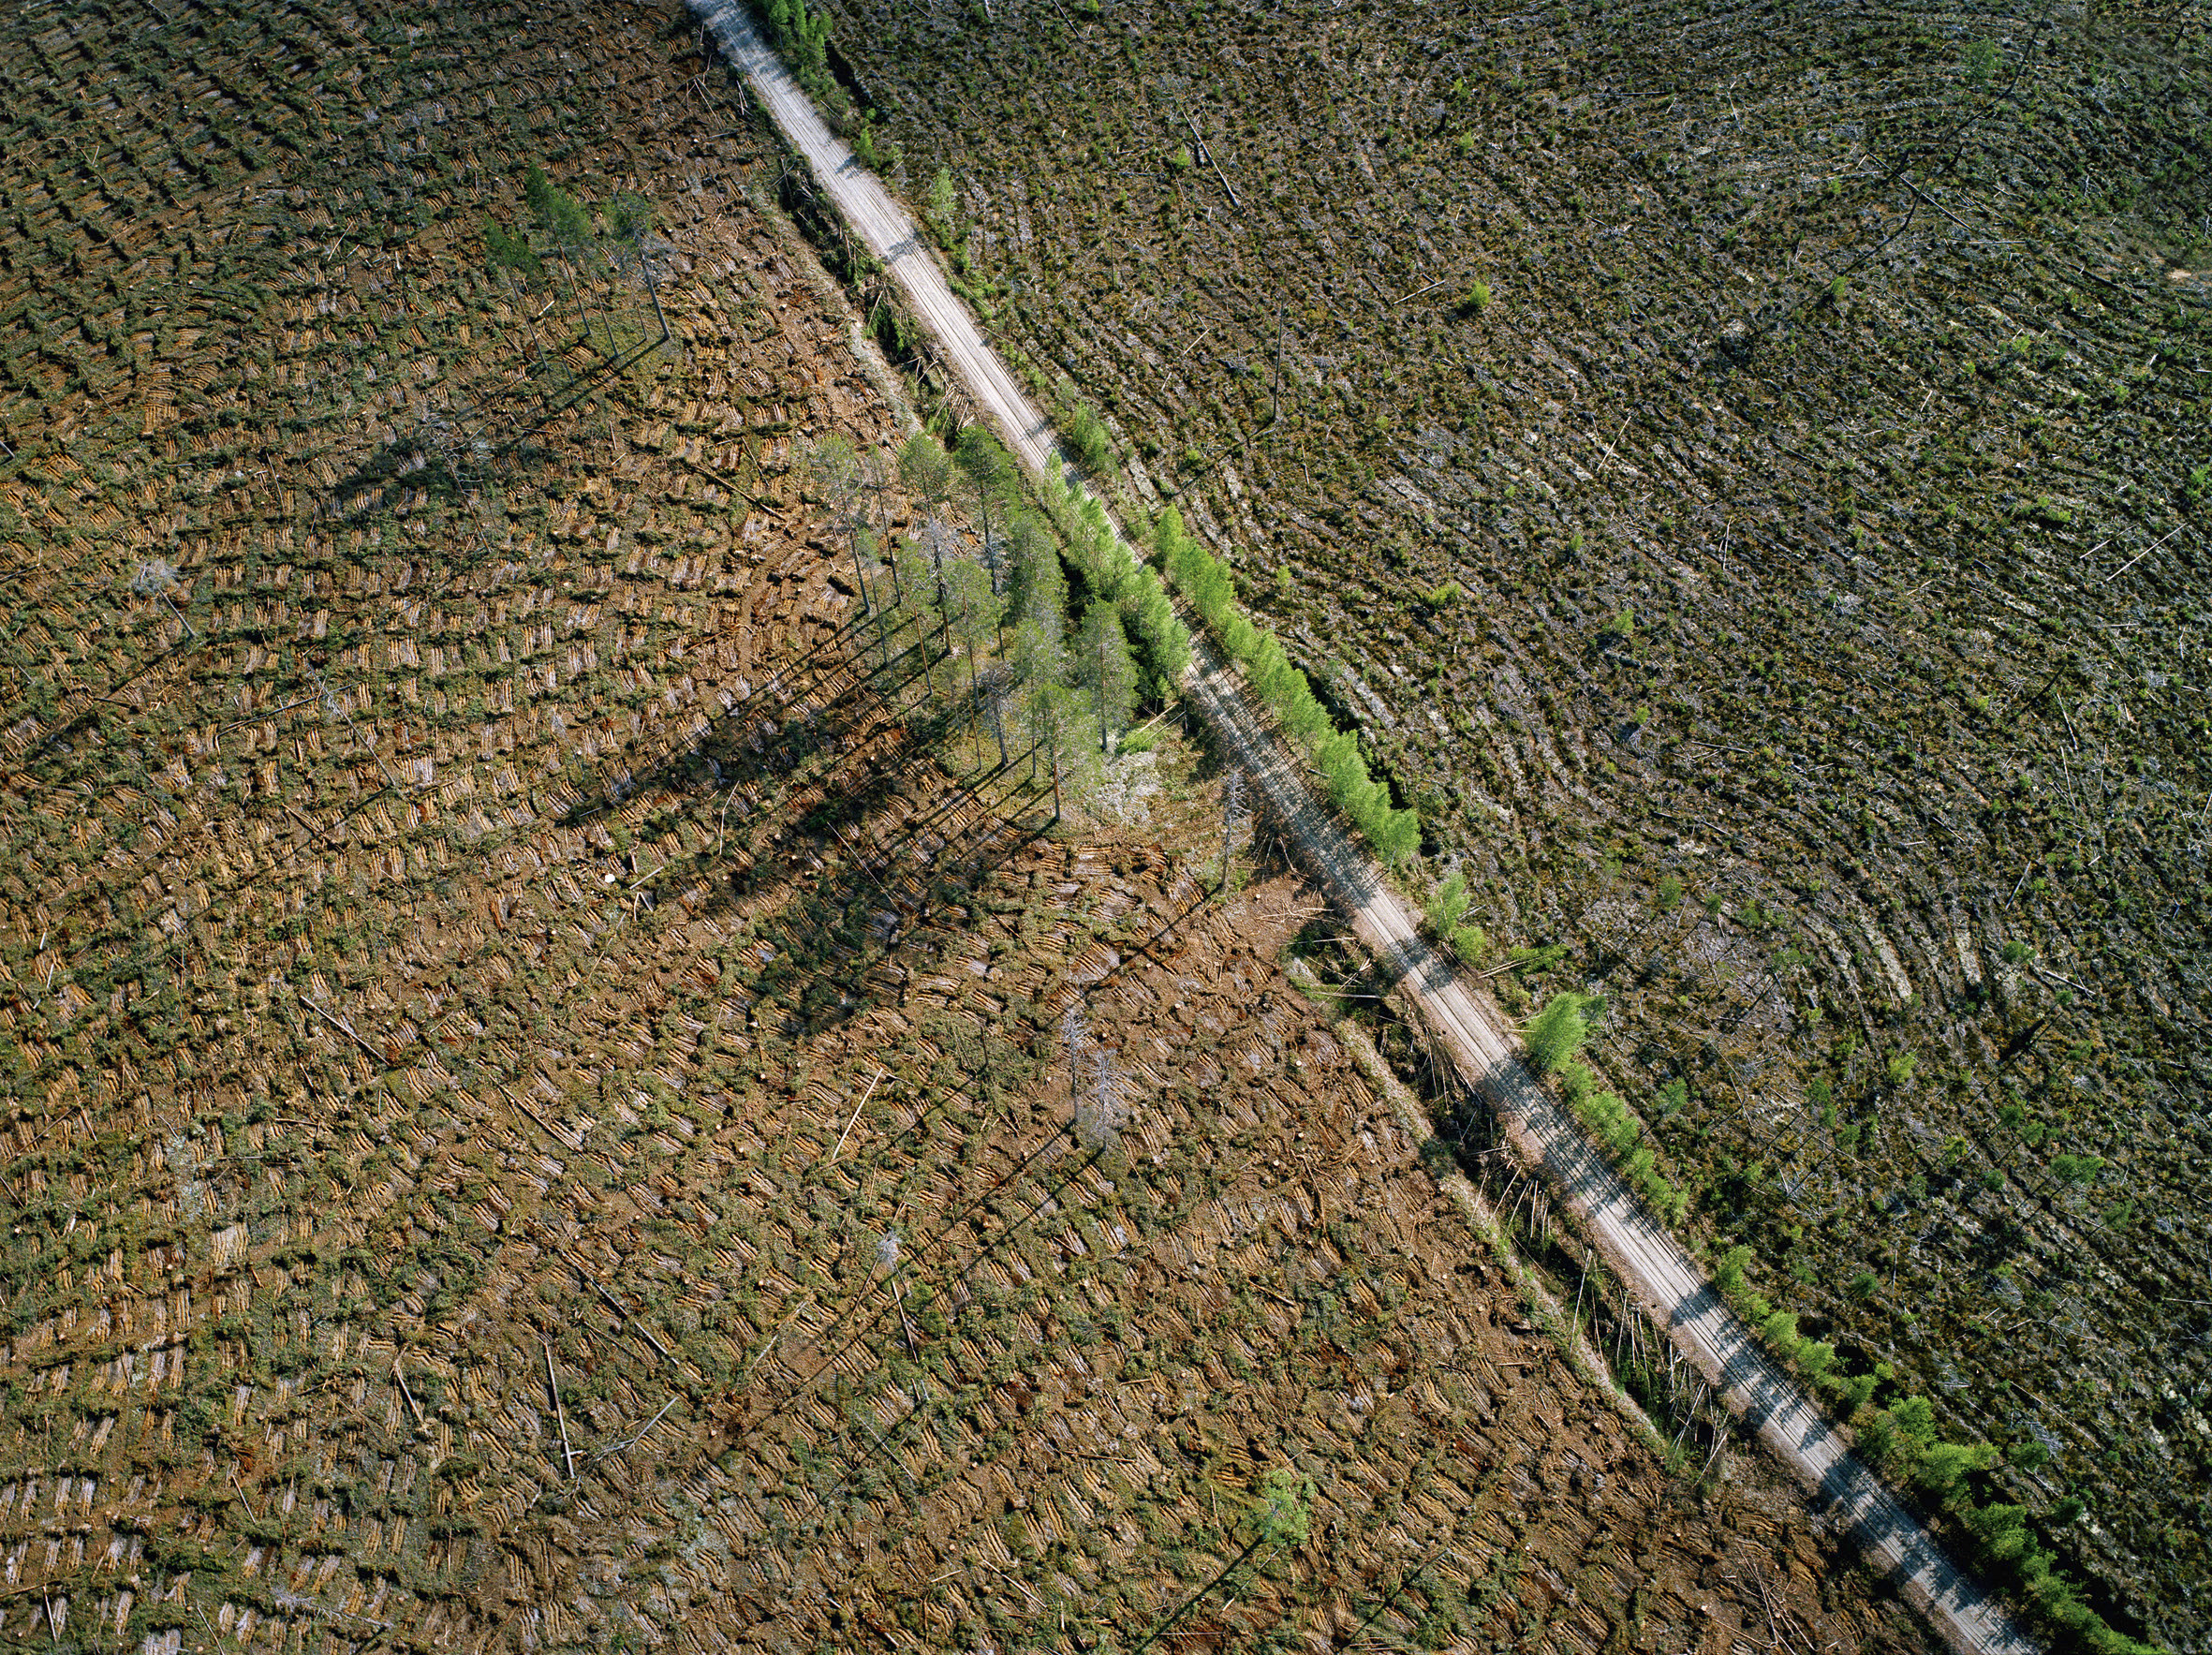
[1059, 673]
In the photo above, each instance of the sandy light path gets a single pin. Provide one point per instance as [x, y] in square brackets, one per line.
[1670, 1286]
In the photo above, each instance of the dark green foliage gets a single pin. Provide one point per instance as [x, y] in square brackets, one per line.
[926, 471]
[562, 215]
[986, 475]
[1111, 573]
[1039, 589]
[1532, 961]
[1106, 669]
[971, 608]
[801, 38]
[1166, 645]
[630, 217]
[503, 251]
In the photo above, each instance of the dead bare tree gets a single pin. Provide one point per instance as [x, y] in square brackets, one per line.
[1100, 1090]
[1232, 813]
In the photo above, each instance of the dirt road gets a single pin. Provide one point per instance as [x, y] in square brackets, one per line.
[887, 228]
[1672, 1289]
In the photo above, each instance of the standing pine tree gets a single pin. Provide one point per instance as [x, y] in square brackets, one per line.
[1039, 653]
[1106, 669]
[939, 540]
[994, 696]
[986, 483]
[918, 603]
[1039, 583]
[561, 215]
[569, 227]
[1054, 716]
[835, 475]
[971, 610]
[926, 471]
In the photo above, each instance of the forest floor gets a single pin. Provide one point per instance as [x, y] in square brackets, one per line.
[537, 1107]
[1746, 473]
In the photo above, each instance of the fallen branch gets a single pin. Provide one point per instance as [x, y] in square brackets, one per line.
[640, 1437]
[856, 1114]
[552, 1385]
[1214, 165]
[347, 1032]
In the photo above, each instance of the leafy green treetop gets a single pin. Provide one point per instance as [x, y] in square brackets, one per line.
[1556, 1033]
[1284, 1514]
[1106, 667]
[562, 216]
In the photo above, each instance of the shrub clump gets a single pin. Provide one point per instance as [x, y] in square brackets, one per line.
[1112, 573]
[1902, 1441]
[1447, 906]
[1555, 1036]
[1620, 1135]
[1556, 1033]
[1084, 432]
